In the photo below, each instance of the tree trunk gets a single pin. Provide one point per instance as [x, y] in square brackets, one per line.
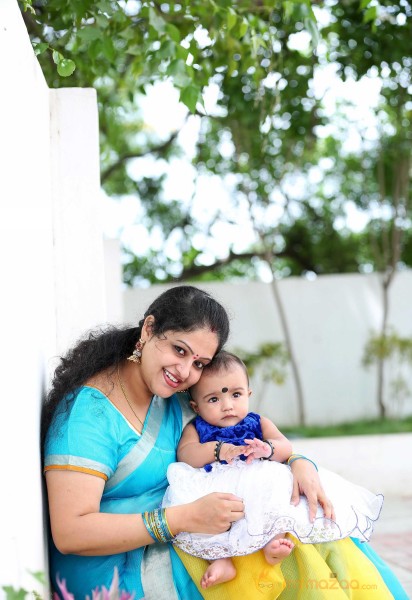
[289, 348]
[381, 361]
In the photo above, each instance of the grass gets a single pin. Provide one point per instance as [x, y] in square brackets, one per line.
[353, 428]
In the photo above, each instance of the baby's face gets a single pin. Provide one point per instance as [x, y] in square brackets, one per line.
[222, 399]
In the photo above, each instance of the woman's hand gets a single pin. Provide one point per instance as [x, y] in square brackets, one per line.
[306, 482]
[213, 514]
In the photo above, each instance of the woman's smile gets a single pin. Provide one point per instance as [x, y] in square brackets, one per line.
[171, 379]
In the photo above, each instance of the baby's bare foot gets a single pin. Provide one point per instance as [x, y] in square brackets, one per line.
[277, 549]
[218, 571]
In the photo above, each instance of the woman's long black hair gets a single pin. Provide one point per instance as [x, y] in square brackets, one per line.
[182, 308]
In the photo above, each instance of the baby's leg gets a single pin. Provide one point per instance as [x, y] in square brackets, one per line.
[277, 549]
[218, 571]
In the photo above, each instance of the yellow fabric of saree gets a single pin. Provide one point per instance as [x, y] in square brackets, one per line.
[329, 571]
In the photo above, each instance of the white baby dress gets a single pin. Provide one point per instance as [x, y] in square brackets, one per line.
[266, 488]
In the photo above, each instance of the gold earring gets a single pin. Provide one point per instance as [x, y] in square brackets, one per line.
[137, 352]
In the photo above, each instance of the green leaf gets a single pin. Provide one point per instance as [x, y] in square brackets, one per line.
[181, 80]
[65, 67]
[364, 3]
[156, 21]
[308, 11]
[127, 34]
[190, 96]
[40, 47]
[231, 18]
[39, 576]
[176, 67]
[108, 48]
[255, 42]
[94, 50]
[102, 21]
[243, 27]
[173, 32]
[134, 50]
[56, 57]
[312, 28]
[27, 6]
[105, 6]
[12, 594]
[182, 52]
[88, 34]
[167, 50]
[288, 7]
[370, 14]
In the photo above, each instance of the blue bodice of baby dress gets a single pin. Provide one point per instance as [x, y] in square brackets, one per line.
[247, 429]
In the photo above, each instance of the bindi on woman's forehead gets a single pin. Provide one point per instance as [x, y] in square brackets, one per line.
[195, 356]
[224, 390]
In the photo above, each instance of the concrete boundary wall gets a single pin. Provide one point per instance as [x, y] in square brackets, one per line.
[53, 282]
[330, 320]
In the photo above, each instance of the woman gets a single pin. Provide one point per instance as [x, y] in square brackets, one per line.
[110, 438]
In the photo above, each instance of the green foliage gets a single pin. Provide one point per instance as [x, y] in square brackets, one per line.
[21, 593]
[267, 112]
[384, 347]
[390, 348]
[269, 360]
[189, 41]
[13, 594]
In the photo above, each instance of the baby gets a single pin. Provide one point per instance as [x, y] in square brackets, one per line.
[229, 449]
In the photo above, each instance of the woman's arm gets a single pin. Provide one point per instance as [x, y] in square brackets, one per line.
[196, 454]
[282, 446]
[306, 482]
[77, 525]
[79, 528]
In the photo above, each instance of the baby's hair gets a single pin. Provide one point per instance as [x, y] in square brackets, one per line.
[222, 361]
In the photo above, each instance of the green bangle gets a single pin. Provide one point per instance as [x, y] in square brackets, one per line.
[294, 457]
[157, 526]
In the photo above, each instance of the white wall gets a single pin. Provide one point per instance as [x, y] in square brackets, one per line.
[330, 320]
[114, 280]
[51, 257]
[79, 277]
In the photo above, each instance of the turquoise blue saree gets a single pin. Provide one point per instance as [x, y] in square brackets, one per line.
[92, 436]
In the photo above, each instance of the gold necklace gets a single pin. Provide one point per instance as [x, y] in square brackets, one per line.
[125, 395]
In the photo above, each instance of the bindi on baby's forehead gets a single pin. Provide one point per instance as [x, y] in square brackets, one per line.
[224, 390]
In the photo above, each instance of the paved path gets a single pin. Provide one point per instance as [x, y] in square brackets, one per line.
[393, 538]
[383, 464]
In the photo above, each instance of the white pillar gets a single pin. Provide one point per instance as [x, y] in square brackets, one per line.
[79, 277]
[27, 315]
[52, 275]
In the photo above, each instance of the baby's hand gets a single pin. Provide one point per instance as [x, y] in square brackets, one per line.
[257, 449]
[229, 451]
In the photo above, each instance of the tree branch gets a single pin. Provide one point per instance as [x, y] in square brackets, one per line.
[137, 154]
[194, 270]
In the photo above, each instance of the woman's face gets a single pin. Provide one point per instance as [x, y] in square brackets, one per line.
[174, 361]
